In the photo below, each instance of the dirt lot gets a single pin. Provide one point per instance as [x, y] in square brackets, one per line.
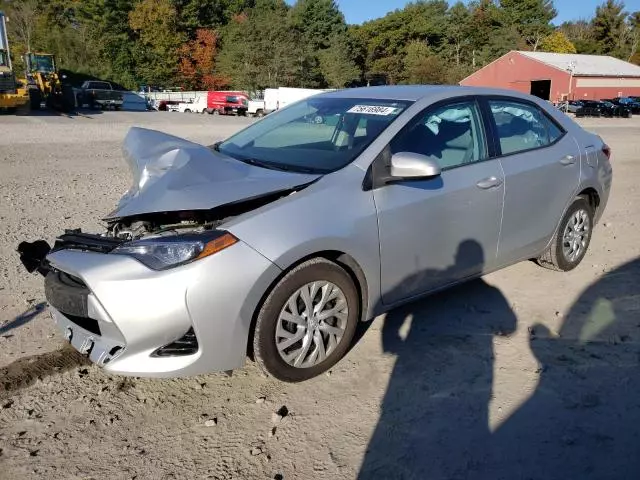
[525, 374]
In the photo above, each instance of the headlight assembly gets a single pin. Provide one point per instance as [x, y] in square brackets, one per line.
[161, 253]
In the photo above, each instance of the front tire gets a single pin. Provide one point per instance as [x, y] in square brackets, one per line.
[572, 239]
[307, 322]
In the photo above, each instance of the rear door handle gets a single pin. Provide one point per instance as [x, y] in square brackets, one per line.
[568, 160]
[488, 183]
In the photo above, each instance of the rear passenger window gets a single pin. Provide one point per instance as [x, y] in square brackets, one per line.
[522, 127]
[451, 135]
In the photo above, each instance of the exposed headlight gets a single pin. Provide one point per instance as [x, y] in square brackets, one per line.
[160, 253]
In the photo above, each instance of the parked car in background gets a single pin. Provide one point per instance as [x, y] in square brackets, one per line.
[628, 102]
[246, 245]
[199, 105]
[590, 108]
[571, 106]
[163, 105]
[256, 108]
[574, 105]
[613, 108]
[227, 103]
[98, 94]
[173, 106]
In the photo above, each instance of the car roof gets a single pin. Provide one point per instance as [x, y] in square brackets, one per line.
[414, 93]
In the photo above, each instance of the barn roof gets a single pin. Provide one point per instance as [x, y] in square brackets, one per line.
[587, 65]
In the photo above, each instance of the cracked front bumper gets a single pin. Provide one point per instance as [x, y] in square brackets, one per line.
[127, 311]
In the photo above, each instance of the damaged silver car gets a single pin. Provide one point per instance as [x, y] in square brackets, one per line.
[275, 243]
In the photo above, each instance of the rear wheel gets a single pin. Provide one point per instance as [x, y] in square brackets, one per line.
[186, 110]
[571, 241]
[307, 322]
[35, 99]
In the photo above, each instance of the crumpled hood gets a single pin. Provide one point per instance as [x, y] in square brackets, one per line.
[173, 174]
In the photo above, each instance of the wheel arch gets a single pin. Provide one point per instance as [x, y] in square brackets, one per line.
[344, 260]
[593, 197]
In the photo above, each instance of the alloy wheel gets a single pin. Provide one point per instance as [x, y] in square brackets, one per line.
[576, 236]
[311, 324]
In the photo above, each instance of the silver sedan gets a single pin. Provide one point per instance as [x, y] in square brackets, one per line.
[275, 243]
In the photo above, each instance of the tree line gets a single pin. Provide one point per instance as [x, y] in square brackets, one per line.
[255, 44]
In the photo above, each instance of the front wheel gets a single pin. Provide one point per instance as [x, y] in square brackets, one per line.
[571, 241]
[307, 322]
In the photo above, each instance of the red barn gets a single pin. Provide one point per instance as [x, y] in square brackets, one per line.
[558, 76]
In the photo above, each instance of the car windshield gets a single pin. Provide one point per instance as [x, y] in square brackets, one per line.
[318, 134]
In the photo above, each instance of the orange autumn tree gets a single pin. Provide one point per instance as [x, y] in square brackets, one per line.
[197, 62]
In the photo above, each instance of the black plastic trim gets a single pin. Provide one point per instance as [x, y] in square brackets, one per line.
[185, 345]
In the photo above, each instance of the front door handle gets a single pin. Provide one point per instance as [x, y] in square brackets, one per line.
[488, 183]
[568, 160]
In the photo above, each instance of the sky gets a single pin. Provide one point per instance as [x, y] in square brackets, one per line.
[358, 11]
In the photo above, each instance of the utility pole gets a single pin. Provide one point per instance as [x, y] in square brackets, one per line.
[571, 69]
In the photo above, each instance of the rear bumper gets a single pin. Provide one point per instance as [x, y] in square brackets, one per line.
[132, 311]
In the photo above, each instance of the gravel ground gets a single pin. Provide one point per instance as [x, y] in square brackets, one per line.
[524, 374]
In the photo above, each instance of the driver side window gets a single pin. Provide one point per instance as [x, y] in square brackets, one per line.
[452, 135]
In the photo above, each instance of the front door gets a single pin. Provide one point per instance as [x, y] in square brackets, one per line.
[438, 231]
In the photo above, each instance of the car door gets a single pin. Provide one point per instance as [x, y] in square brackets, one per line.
[434, 232]
[541, 164]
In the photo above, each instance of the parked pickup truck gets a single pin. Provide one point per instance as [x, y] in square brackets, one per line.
[99, 94]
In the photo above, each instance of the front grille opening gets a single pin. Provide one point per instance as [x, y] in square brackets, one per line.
[89, 324]
[186, 345]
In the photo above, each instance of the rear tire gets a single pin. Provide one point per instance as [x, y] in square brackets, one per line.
[315, 306]
[35, 99]
[572, 239]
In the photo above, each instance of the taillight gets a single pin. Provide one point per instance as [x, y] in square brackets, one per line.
[606, 149]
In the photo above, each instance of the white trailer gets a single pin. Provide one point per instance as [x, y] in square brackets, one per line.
[277, 98]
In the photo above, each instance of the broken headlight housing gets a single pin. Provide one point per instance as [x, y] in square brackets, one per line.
[163, 252]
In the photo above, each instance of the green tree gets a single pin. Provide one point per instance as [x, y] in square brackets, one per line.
[609, 27]
[458, 31]
[318, 21]
[110, 37]
[260, 48]
[581, 34]
[557, 42]
[155, 22]
[531, 18]
[209, 14]
[337, 63]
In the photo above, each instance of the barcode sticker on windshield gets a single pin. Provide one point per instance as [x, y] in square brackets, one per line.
[373, 110]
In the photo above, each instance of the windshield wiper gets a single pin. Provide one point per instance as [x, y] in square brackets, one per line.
[279, 166]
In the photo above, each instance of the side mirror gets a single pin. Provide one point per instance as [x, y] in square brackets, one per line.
[414, 165]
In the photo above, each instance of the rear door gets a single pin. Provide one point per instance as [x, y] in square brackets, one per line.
[541, 164]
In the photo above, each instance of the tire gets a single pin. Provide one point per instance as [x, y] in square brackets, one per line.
[35, 99]
[266, 352]
[216, 112]
[555, 257]
[186, 110]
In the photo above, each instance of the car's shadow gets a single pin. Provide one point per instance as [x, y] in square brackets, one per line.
[582, 422]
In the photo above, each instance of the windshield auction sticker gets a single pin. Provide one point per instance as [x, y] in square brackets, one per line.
[373, 110]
